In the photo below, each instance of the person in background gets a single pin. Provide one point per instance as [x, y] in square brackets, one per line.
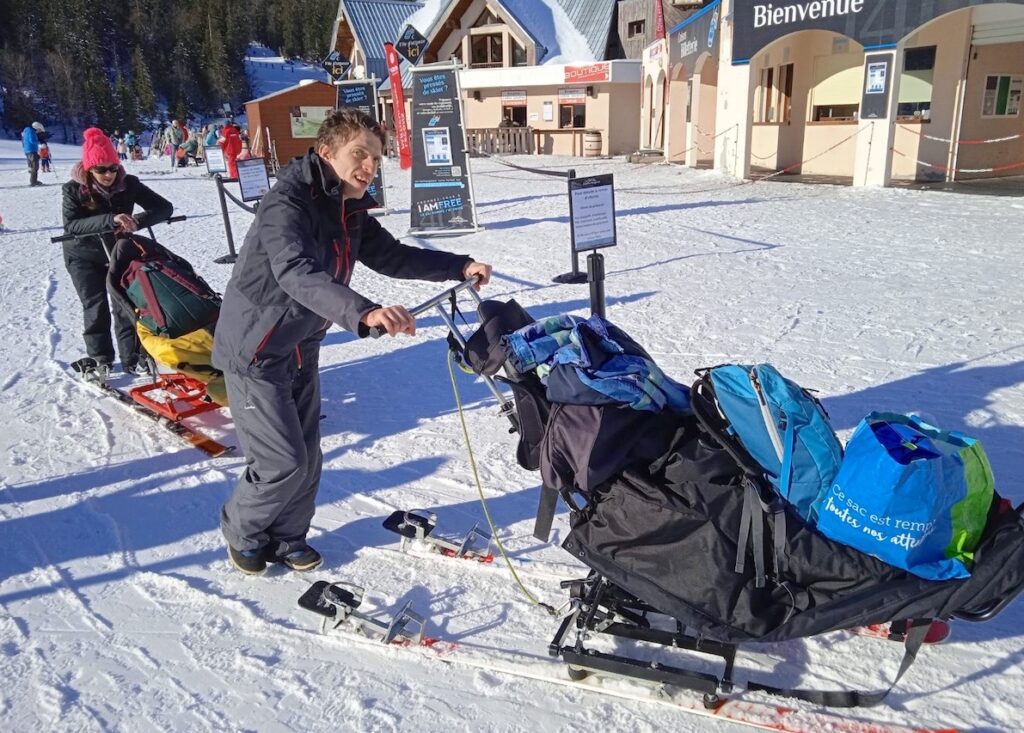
[211, 136]
[98, 207]
[44, 157]
[175, 136]
[30, 144]
[289, 284]
[230, 141]
[245, 153]
[189, 150]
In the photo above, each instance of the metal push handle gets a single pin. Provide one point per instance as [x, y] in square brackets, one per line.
[377, 331]
[69, 237]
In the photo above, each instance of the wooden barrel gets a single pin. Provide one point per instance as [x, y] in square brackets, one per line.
[591, 143]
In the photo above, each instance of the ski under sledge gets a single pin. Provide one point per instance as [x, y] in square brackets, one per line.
[338, 606]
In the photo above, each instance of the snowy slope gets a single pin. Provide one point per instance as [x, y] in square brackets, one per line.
[118, 610]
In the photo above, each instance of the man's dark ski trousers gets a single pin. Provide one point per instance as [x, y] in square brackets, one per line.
[86, 262]
[277, 417]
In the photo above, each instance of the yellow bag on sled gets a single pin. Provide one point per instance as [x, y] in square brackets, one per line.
[189, 354]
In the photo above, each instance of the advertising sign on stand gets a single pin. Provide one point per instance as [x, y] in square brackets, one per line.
[442, 190]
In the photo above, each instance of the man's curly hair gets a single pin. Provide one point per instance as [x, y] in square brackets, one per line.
[343, 124]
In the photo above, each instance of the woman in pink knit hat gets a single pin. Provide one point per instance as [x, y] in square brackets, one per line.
[99, 205]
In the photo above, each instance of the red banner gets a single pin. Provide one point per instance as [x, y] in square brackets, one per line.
[398, 107]
[659, 21]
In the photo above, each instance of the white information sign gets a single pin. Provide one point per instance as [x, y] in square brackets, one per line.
[253, 178]
[215, 160]
[592, 212]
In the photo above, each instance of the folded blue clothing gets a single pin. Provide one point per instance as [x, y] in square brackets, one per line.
[603, 358]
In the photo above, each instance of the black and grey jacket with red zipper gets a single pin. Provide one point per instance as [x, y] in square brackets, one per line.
[291, 278]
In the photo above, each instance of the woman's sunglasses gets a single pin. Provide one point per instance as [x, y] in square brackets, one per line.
[101, 169]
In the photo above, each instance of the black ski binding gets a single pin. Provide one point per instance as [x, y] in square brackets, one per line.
[91, 370]
[417, 526]
[337, 604]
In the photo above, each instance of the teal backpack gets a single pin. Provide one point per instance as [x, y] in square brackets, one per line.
[775, 428]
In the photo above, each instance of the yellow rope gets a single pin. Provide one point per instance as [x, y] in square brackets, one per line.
[483, 501]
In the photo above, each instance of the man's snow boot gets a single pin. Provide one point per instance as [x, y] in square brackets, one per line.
[250, 562]
[298, 556]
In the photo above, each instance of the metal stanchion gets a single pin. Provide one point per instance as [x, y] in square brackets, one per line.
[232, 255]
[574, 276]
[595, 276]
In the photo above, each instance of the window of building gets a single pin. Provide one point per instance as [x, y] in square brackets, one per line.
[1002, 96]
[518, 53]
[835, 112]
[764, 111]
[774, 100]
[486, 18]
[915, 102]
[835, 95]
[486, 50]
[572, 115]
[516, 113]
[635, 29]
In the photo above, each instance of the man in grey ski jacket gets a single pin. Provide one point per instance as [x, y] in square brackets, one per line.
[289, 285]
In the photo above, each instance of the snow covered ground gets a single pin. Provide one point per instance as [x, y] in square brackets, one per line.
[119, 609]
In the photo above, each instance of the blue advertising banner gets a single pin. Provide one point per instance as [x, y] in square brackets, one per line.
[696, 35]
[442, 191]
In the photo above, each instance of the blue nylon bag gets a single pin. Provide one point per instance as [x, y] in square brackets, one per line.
[911, 495]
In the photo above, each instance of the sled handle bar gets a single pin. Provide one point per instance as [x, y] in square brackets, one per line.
[435, 302]
[69, 237]
[507, 406]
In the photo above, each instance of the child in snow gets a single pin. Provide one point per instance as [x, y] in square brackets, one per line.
[44, 157]
[290, 283]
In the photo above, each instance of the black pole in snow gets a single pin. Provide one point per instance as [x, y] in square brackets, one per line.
[232, 255]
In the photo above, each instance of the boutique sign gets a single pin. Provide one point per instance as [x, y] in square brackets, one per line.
[871, 23]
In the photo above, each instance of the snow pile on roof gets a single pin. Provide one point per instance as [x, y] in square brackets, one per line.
[548, 23]
[423, 18]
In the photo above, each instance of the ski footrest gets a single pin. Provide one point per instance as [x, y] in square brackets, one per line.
[337, 604]
[417, 526]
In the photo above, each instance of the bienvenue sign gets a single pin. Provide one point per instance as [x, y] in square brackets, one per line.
[872, 23]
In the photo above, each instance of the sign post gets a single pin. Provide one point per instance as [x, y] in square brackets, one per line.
[362, 95]
[592, 226]
[442, 200]
[574, 276]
